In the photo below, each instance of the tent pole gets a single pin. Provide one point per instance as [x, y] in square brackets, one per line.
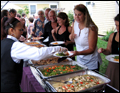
[4, 4]
[117, 3]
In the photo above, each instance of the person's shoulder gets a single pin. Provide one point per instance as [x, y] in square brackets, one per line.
[111, 35]
[37, 19]
[48, 23]
[94, 28]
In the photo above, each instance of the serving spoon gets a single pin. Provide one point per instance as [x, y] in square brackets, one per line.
[65, 82]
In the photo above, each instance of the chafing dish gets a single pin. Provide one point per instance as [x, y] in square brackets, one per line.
[83, 72]
[38, 45]
[39, 68]
[35, 43]
[49, 60]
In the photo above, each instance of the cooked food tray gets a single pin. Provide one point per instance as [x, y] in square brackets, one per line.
[50, 60]
[35, 44]
[95, 88]
[38, 45]
[32, 43]
[74, 63]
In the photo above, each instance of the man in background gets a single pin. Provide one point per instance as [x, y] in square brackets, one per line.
[46, 15]
[52, 24]
[39, 24]
[12, 13]
[26, 20]
[18, 16]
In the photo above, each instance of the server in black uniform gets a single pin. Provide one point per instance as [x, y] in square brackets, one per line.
[13, 51]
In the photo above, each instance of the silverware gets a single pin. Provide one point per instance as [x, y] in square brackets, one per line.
[33, 65]
[70, 82]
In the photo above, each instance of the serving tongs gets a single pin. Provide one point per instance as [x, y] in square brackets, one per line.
[33, 65]
[61, 81]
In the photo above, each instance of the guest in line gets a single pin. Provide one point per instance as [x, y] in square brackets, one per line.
[113, 48]
[85, 34]
[52, 24]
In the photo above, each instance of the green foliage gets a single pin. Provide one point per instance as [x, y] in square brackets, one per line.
[25, 10]
[103, 66]
[20, 11]
[70, 16]
[106, 37]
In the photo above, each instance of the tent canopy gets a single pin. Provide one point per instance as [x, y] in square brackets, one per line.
[9, 5]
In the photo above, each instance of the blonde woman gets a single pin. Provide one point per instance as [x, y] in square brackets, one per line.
[85, 34]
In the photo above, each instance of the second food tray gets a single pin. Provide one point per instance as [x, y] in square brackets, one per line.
[73, 66]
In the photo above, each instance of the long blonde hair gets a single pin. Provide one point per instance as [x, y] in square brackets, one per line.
[88, 20]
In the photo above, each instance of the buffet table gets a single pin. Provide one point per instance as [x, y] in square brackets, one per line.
[31, 82]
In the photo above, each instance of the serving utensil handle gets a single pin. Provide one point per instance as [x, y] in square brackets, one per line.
[101, 73]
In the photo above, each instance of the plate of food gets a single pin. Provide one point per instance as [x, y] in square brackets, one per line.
[113, 58]
[63, 54]
[57, 42]
[37, 38]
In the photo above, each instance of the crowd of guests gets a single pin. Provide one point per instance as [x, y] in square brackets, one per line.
[83, 33]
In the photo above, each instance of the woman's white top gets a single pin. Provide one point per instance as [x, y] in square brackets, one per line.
[22, 51]
[81, 41]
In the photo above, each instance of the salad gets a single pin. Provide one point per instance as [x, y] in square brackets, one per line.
[63, 54]
[62, 69]
[116, 58]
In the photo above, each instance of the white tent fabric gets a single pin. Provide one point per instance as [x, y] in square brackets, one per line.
[10, 6]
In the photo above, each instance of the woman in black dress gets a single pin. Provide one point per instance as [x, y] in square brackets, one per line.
[62, 32]
[113, 48]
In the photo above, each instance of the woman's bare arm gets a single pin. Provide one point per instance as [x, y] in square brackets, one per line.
[107, 51]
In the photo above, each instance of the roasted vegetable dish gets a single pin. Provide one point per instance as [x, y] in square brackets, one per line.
[38, 45]
[61, 69]
[31, 43]
[78, 83]
[48, 61]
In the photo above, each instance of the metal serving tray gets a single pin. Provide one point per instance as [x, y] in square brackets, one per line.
[30, 62]
[84, 72]
[58, 64]
[38, 44]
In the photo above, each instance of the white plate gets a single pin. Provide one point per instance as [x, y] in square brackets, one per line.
[59, 42]
[111, 59]
[70, 54]
[37, 38]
